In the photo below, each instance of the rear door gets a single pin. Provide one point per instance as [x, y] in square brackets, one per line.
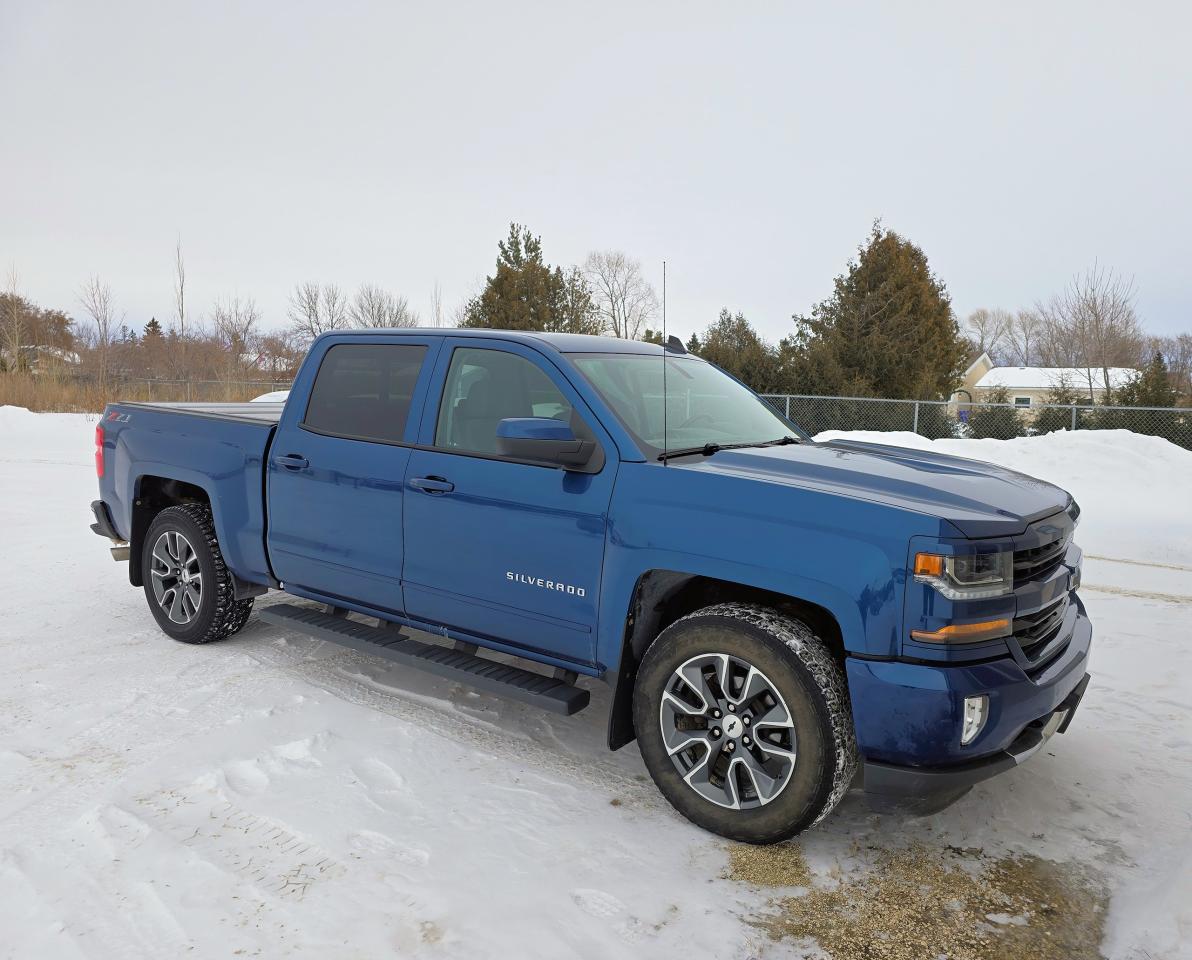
[507, 550]
[337, 465]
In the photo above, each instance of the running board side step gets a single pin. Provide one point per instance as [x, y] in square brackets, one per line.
[504, 680]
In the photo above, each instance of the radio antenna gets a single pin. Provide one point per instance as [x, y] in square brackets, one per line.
[664, 459]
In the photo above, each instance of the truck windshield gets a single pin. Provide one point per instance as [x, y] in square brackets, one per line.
[704, 407]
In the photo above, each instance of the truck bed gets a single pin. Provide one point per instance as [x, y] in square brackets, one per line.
[221, 448]
[268, 413]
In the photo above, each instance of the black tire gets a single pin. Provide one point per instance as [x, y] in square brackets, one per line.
[218, 613]
[797, 665]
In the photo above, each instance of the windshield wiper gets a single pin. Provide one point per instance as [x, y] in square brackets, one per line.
[710, 448]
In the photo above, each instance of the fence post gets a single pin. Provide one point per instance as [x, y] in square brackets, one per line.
[188, 391]
[1073, 416]
[150, 389]
[788, 406]
[915, 428]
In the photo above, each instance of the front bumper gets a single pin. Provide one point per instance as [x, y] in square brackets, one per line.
[928, 789]
[908, 718]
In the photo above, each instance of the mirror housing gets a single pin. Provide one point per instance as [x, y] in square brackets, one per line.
[544, 440]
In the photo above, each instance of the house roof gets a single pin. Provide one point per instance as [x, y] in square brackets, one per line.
[981, 361]
[1044, 378]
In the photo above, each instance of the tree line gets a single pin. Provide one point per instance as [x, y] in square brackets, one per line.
[886, 329]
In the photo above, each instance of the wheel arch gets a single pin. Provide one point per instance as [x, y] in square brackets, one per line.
[152, 494]
[660, 597]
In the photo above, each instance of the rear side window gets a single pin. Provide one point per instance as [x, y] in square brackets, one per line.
[364, 391]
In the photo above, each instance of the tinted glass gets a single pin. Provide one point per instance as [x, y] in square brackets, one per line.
[485, 387]
[363, 391]
[703, 405]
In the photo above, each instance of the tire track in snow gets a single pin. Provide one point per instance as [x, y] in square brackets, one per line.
[334, 675]
[1139, 563]
[1138, 594]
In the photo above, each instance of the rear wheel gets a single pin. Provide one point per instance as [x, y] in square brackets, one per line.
[743, 720]
[190, 590]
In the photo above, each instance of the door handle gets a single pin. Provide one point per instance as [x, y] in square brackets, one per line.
[435, 485]
[292, 461]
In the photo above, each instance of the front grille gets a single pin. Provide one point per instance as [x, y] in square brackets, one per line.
[1035, 630]
[1038, 562]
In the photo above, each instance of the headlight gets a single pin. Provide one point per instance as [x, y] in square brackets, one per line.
[1073, 512]
[973, 576]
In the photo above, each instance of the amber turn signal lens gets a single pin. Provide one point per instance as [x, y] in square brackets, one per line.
[965, 632]
[929, 565]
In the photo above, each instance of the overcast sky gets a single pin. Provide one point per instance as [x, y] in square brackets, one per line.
[750, 145]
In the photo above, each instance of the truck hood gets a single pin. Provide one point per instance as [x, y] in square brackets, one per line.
[979, 499]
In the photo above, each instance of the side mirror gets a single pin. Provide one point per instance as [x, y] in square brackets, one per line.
[543, 440]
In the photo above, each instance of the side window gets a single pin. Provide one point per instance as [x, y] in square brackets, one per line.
[485, 387]
[363, 391]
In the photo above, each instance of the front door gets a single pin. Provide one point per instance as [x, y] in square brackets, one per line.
[336, 469]
[499, 548]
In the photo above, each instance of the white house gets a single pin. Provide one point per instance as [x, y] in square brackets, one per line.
[1028, 386]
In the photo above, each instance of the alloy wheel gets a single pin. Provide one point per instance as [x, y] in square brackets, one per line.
[177, 579]
[728, 731]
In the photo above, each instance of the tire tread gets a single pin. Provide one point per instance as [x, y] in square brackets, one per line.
[230, 614]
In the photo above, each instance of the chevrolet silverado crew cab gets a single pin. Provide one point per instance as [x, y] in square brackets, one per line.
[778, 619]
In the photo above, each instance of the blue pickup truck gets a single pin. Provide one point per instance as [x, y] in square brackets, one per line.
[779, 619]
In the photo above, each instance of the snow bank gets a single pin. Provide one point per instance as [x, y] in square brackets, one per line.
[48, 437]
[1135, 491]
[273, 794]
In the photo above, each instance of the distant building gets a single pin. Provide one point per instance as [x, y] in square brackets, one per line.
[1029, 386]
[40, 359]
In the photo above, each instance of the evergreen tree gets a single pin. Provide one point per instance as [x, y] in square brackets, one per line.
[693, 345]
[525, 293]
[733, 345]
[152, 329]
[888, 329]
[574, 309]
[1151, 388]
[997, 423]
[1064, 395]
[652, 336]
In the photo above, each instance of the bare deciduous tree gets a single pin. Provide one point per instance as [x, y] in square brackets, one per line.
[96, 299]
[1093, 320]
[374, 307]
[179, 362]
[436, 306]
[1020, 345]
[315, 309]
[987, 329]
[13, 319]
[180, 289]
[235, 322]
[624, 298]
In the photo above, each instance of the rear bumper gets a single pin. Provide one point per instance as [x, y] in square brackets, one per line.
[103, 521]
[927, 789]
[105, 528]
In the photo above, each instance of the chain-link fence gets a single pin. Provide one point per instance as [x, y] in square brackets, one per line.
[1002, 421]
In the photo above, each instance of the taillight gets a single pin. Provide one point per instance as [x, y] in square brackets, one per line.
[99, 449]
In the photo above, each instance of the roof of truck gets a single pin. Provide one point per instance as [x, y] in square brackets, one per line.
[563, 342]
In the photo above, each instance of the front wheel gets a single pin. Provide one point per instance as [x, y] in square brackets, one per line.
[190, 590]
[743, 720]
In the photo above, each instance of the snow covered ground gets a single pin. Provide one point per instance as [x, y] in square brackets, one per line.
[275, 796]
